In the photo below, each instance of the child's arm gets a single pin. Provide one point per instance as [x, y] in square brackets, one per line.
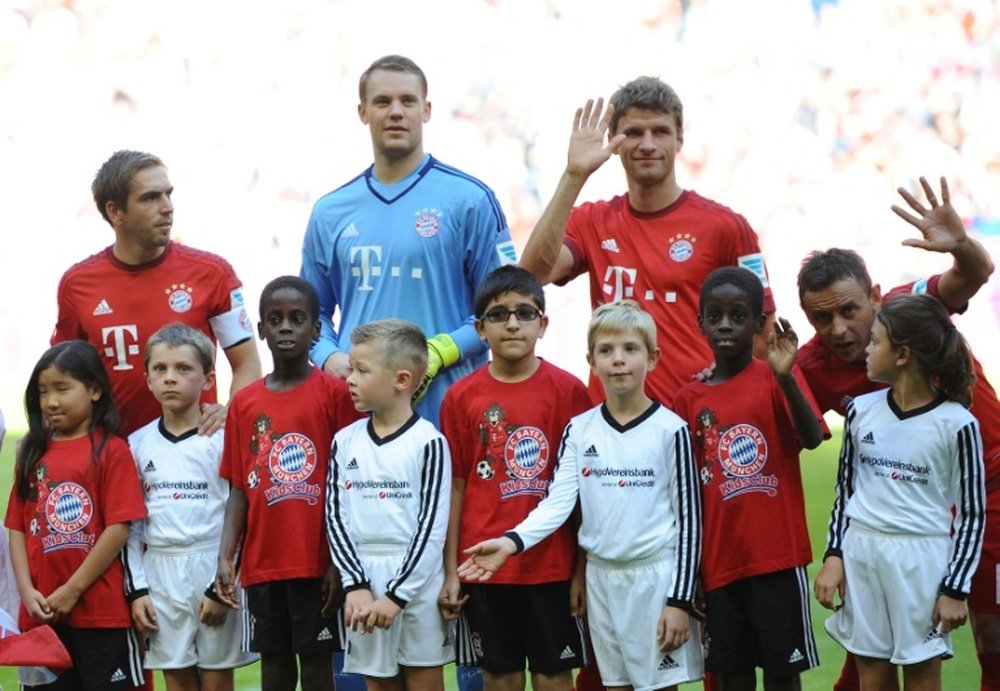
[233, 527]
[448, 601]
[38, 608]
[106, 549]
[968, 489]
[687, 511]
[423, 555]
[782, 344]
[830, 578]
[136, 585]
[332, 592]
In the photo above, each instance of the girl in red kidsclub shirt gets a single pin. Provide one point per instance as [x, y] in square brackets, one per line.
[75, 492]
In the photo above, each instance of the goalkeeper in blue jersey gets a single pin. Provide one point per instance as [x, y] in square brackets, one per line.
[410, 237]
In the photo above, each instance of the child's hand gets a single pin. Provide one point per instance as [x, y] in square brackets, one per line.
[332, 592]
[225, 583]
[357, 606]
[38, 608]
[830, 580]
[673, 629]
[144, 615]
[212, 613]
[485, 558]
[62, 601]
[449, 601]
[950, 613]
[381, 613]
[782, 344]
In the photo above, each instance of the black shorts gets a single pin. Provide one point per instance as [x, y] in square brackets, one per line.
[507, 624]
[103, 659]
[285, 618]
[761, 621]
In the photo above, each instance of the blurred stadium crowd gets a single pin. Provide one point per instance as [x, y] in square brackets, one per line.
[803, 115]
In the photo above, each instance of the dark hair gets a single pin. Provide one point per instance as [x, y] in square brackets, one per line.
[743, 279]
[506, 279]
[113, 181]
[81, 361]
[295, 283]
[648, 93]
[393, 63]
[922, 324]
[822, 269]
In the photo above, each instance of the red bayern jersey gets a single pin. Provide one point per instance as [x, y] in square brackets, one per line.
[835, 382]
[75, 498]
[277, 451]
[504, 440]
[117, 307]
[660, 260]
[751, 485]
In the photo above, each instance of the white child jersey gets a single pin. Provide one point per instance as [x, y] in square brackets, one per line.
[901, 473]
[638, 491]
[185, 497]
[389, 495]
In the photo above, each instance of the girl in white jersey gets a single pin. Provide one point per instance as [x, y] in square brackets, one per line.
[895, 554]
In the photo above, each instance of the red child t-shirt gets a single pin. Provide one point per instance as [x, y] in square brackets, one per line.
[747, 453]
[504, 440]
[75, 499]
[277, 451]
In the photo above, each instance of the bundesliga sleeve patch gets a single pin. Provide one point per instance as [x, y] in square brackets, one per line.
[755, 263]
[508, 255]
[920, 287]
[236, 298]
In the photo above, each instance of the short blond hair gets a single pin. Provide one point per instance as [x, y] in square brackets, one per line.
[177, 334]
[618, 317]
[401, 344]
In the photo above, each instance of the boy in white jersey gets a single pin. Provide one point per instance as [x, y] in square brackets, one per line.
[192, 636]
[629, 461]
[387, 515]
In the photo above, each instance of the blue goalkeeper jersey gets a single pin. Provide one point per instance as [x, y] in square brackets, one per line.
[416, 249]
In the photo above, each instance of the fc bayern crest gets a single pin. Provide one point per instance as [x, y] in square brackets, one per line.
[681, 250]
[526, 453]
[428, 223]
[292, 458]
[68, 508]
[742, 450]
[179, 298]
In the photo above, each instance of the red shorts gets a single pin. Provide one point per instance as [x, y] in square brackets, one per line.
[985, 595]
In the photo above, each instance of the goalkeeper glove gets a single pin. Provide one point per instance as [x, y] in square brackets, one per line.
[442, 351]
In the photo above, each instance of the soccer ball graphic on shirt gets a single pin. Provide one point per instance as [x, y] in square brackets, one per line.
[484, 469]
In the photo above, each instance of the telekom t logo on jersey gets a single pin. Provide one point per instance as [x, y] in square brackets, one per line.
[619, 282]
[368, 258]
[120, 342]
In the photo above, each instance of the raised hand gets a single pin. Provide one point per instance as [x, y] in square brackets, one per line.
[940, 227]
[782, 344]
[587, 148]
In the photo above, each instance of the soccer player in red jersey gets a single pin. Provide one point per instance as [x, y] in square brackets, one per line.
[116, 299]
[840, 299]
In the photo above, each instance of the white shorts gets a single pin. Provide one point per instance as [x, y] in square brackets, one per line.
[418, 637]
[177, 581]
[624, 604]
[891, 589]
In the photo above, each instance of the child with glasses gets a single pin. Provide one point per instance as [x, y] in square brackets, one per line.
[503, 423]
